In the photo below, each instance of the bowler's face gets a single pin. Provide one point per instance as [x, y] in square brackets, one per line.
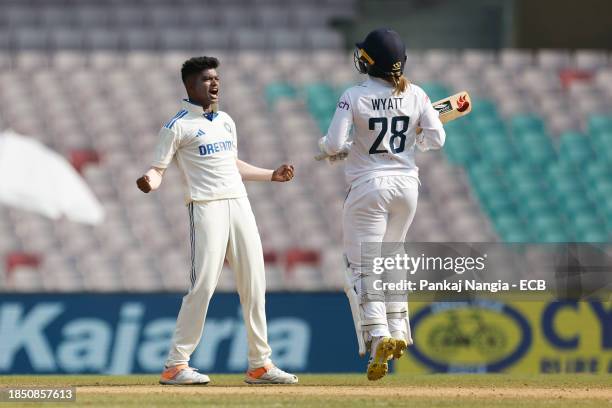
[204, 87]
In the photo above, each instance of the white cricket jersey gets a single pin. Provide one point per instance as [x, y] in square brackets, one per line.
[383, 130]
[205, 149]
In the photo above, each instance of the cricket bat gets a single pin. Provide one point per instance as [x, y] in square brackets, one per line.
[449, 108]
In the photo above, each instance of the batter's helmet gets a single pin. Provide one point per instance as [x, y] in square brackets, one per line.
[382, 54]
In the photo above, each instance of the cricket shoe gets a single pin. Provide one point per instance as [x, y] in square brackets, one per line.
[183, 375]
[381, 351]
[400, 344]
[400, 347]
[269, 374]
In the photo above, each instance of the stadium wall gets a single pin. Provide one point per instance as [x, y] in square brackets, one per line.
[309, 332]
[130, 333]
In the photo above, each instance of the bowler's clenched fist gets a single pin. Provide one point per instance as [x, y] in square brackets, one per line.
[283, 173]
[143, 184]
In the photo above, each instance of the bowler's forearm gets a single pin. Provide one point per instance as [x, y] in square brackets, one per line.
[155, 175]
[249, 172]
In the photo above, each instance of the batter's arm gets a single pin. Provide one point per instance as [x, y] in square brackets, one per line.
[335, 141]
[151, 180]
[248, 172]
[432, 136]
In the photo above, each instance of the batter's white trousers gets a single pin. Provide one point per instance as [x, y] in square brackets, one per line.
[378, 210]
[223, 229]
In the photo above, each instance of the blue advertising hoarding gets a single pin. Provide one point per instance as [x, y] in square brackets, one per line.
[130, 333]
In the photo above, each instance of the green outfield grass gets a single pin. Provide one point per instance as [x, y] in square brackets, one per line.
[335, 391]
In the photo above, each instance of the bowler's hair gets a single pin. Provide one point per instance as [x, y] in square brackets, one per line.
[197, 64]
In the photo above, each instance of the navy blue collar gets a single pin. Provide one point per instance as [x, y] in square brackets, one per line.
[211, 115]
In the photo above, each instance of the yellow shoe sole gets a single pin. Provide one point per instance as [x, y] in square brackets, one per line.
[400, 347]
[378, 368]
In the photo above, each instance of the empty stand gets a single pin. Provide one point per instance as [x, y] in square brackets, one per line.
[532, 163]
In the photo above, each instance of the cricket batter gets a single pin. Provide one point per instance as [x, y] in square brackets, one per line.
[384, 113]
[203, 143]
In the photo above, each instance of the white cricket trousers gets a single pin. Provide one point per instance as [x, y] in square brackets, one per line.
[378, 210]
[219, 230]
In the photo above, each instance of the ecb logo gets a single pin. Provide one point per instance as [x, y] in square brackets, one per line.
[474, 336]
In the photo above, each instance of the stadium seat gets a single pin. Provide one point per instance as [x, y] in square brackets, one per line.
[536, 147]
[89, 16]
[66, 39]
[553, 59]
[102, 39]
[515, 59]
[26, 38]
[600, 123]
[285, 39]
[164, 16]
[575, 148]
[495, 147]
[17, 16]
[279, 90]
[435, 90]
[53, 17]
[460, 147]
[176, 39]
[520, 123]
[323, 39]
[590, 60]
[207, 39]
[127, 16]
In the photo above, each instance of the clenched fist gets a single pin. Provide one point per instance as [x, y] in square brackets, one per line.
[283, 173]
[144, 184]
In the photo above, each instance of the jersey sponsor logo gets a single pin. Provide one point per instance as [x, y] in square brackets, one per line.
[386, 103]
[179, 114]
[344, 105]
[443, 107]
[216, 147]
[227, 127]
[200, 133]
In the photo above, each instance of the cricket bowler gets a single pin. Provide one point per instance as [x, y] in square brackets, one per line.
[203, 142]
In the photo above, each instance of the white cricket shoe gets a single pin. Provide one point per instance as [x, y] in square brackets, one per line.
[381, 351]
[269, 374]
[183, 375]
